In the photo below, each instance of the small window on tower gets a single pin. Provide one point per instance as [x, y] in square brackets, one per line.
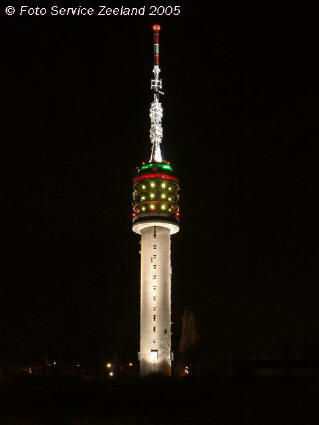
[154, 246]
[154, 318]
[154, 234]
[154, 308]
[154, 256]
[154, 329]
[165, 331]
[154, 277]
[154, 298]
[154, 287]
[154, 266]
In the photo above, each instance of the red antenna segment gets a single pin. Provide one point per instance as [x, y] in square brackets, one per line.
[156, 29]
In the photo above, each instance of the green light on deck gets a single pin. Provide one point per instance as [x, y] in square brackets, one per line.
[146, 166]
[159, 165]
[165, 167]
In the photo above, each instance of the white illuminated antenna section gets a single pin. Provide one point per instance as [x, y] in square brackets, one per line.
[156, 110]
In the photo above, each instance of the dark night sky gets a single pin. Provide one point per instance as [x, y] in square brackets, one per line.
[240, 128]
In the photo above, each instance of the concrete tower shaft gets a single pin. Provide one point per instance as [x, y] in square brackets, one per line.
[155, 324]
[155, 312]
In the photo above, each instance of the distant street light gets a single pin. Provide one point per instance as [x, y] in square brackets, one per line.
[109, 365]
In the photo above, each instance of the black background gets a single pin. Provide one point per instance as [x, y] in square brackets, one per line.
[240, 129]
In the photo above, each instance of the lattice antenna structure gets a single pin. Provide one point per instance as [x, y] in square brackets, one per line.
[156, 110]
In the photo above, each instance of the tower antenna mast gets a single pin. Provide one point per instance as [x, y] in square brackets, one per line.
[156, 110]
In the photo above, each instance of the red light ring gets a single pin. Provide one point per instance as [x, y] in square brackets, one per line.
[155, 176]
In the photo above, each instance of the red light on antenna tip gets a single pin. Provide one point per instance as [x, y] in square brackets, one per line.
[156, 28]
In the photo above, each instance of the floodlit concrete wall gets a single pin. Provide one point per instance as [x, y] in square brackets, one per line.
[155, 331]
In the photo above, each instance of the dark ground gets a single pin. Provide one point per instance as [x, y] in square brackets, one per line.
[60, 400]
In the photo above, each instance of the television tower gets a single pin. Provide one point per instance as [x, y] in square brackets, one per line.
[155, 218]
